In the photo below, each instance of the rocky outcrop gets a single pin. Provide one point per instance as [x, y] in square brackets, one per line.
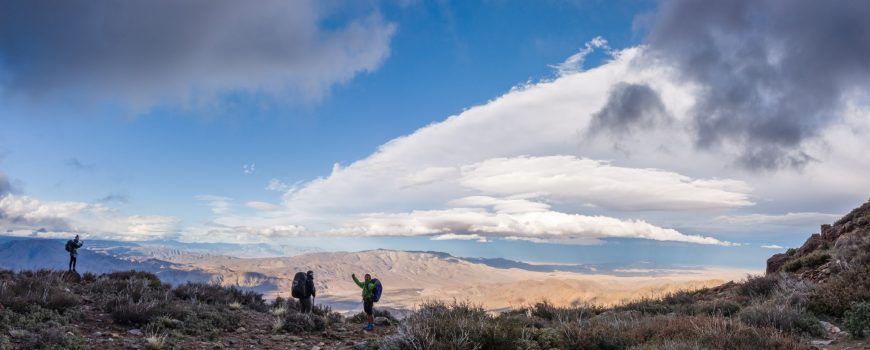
[775, 262]
[815, 241]
[831, 243]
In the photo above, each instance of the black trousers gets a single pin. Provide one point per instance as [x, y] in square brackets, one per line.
[305, 305]
[72, 262]
[368, 306]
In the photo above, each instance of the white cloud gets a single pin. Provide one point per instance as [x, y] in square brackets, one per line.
[486, 216]
[456, 237]
[277, 185]
[261, 206]
[248, 169]
[788, 219]
[217, 232]
[574, 63]
[23, 215]
[218, 204]
[772, 246]
[584, 181]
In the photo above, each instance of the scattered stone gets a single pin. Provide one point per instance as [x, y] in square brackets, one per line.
[135, 332]
[360, 345]
[18, 333]
[241, 329]
[278, 337]
[98, 334]
[382, 321]
[176, 324]
[295, 338]
[822, 342]
[830, 328]
[321, 344]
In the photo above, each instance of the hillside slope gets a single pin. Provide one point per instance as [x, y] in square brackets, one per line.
[413, 277]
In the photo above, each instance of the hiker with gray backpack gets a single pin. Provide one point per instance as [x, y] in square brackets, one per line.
[303, 289]
[72, 246]
[371, 293]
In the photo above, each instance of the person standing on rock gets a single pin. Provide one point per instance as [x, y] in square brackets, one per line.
[307, 302]
[72, 246]
[368, 295]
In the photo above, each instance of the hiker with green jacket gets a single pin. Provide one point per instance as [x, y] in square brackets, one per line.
[72, 247]
[368, 293]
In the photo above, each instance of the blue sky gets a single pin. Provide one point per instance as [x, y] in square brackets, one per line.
[150, 135]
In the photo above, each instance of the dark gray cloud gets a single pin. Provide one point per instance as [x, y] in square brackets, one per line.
[145, 52]
[772, 73]
[629, 107]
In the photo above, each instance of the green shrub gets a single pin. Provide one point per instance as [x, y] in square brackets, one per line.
[857, 319]
[758, 286]
[813, 260]
[44, 288]
[133, 313]
[838, 293]
[296, 323]
[718, 307]
[216, 294]
[547, 311]
[782, 317]
[152, 279]
[205, 320]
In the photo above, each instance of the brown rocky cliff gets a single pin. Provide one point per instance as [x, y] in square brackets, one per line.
[825, 251]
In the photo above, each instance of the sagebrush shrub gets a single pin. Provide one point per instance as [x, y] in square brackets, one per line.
[782, 317]
[837, 294]
[216, 294]
[758, 286]
[857, 319]
[296, 323]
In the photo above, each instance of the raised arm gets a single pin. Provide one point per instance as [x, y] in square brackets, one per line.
[355, 280]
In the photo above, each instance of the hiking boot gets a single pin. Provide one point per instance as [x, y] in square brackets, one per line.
[370, 327]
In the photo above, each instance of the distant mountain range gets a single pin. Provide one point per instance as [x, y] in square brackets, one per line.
[410, 276]
[34, 254]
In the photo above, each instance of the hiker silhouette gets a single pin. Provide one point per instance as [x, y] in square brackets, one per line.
[72, 246]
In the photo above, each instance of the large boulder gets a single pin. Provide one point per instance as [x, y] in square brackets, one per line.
[811, 244]
[829, 233]
[775, 262]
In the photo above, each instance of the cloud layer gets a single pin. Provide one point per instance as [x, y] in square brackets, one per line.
[770, 74]
[23, 215]
[146, 52]
[476, 217]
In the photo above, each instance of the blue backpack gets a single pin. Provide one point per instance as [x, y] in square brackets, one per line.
[378, 289]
